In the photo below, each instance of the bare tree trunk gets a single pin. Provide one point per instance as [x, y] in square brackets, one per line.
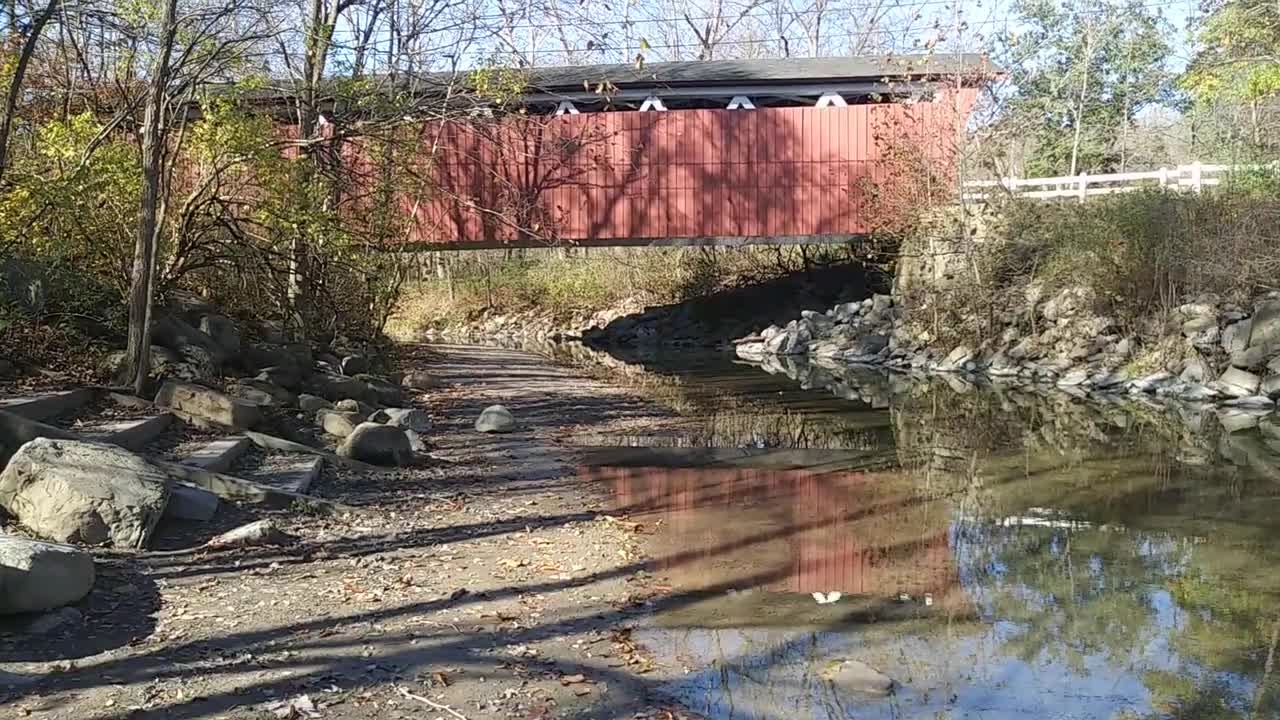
[142, 279]
[19, 75]
[1084, 89]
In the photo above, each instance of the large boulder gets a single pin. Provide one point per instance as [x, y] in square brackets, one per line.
[37, 576]
[1238, 383]
[209, 405]
[1235, 337]
[164, 363]
[82, 492]
[1265, 330]
[354, 365]
[260, 356]
[338, 387]
[378, 444]
[383, 392]
[262, 393]
[190, 342]
[223, 331]
[286, 376]
[495, 419]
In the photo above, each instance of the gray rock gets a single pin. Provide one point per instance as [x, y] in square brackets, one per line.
[1074, 377]
[38, 576]
[959, 356]
[420, 380]
[261, 393]
[495, 419]
[1249, 358]
[1273, 366]
[1124, 348]
[223, 331]
[1153, 382]
[407, 419]
[338, 387]
[287, 377]
[164, 363]
[1194, 392]
[416, 443]
[188, 502]
[209, 405]
[1237, 419]
[260, 356]
[1196, 370]
[1271, 387]
[845, 312]
[1238, 383]
[313, 403]
[338, 423]
[190, 342]
[258, 533]
[381, 390]
[857, 677]
[868, 345]
[82, 492]
[378, 444]
[354, 406]
[353, 365]
[796, 340]
[1202, 331]
[1235, 337]
[1265, 333]
[1251, 401]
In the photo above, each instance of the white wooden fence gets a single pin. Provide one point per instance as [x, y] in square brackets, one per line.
[1195, 177]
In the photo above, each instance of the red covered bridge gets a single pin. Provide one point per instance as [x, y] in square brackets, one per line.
[725, 152]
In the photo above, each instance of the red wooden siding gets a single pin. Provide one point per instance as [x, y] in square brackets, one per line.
[608, 178]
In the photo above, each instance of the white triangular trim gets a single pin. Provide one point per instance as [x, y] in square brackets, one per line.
[653, 102]
[566, 107]
[740, 102]
[831, 100]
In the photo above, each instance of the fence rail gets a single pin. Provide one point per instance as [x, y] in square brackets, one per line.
[1194, 177]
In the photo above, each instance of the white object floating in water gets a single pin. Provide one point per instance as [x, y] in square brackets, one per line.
[828, 598]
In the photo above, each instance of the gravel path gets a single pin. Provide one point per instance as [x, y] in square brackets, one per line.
[489, 583]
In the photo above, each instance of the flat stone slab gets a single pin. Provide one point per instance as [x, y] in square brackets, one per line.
[188, 502]
[128, 434]
[47, 405]
[218, 455]
[293, 474]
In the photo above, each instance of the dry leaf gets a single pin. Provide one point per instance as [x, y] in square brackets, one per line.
[573, 679]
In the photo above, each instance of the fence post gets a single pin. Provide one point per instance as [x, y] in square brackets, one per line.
[1196, 177]
[1164, 177]
[1084, 186]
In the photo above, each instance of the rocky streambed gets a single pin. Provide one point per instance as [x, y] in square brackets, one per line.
[1204, 352]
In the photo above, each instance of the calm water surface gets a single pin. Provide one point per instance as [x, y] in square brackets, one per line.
[998, 554]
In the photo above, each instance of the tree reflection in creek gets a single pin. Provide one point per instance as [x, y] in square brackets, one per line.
[997, 569]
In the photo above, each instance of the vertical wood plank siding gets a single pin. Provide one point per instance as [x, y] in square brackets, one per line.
[602, 178]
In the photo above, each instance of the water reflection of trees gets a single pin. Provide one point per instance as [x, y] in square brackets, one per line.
[1095, 538]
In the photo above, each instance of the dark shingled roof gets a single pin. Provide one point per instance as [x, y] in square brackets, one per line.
[730, 72]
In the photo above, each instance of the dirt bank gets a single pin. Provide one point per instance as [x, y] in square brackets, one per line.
[490, 584]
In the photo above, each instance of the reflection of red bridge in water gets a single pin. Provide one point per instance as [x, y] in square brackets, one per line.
[788, 530]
